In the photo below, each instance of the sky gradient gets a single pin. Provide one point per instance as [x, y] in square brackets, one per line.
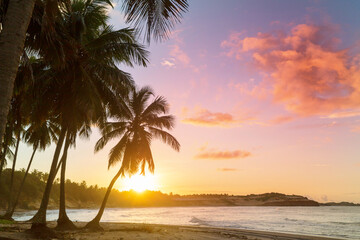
[267, 99]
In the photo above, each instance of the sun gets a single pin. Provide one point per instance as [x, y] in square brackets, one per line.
[139, 183]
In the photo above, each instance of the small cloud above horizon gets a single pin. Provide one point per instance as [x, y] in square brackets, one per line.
[214, 154]
[227, 169]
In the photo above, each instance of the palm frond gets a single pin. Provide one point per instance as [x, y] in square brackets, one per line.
[109, 135]
[119, 46]
[165, 137]
[154, 18]
[139, 99]
[120, 149]
[159, 105]
[166, 121]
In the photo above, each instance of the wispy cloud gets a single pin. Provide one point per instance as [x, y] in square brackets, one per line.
[227, 169]
[282, 119]
[168, 62]
[214, 154]
[308, 74]
[180, 55]
[356, 129]
[346, 114]
[203, 117]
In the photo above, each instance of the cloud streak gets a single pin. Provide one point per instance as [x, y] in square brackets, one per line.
[222, 155]
[204, 117]
[306, 72]
[227, 169]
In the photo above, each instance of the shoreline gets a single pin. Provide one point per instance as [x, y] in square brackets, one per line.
[119, 230]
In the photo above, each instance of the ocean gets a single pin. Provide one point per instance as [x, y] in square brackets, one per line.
[337, 222]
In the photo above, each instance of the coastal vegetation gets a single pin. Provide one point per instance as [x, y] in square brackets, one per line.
[60, 77]
[82, 195]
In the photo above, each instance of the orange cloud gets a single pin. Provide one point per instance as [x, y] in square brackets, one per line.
[221, 155]
[282, 119]
[308, 75]
[346, 114]
[204, 117]
[227, 169]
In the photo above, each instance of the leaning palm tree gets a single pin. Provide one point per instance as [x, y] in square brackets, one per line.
[39, 134]
[137, 124]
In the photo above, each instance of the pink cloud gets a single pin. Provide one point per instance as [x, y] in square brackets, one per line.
[282, 119]
[179, 55]
[346, 114]
[222, 155]
[356, 129]
[203, 117]
[206, 118]
[307, 74]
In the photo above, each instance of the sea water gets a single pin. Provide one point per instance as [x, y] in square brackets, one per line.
[337, 222]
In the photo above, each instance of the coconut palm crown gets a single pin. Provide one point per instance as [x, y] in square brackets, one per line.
[137, 124]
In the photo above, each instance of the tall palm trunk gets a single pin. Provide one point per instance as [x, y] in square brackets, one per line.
[94, 224]
[2, 161]
[11, 193]
[63, 222]
[3, 150]
[39, 220]
[10, 212]
[12, 38]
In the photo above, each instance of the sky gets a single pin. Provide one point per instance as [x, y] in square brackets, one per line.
[266, 96]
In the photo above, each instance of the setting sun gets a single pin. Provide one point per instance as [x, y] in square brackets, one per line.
[139, 183]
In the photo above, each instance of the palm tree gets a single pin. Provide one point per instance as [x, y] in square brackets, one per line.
[155, 17]
[83, 88]
[39, 134]
[7, 142]
[137, 124]
[14, 23]
[18, 114]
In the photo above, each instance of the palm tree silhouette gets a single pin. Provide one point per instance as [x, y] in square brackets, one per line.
[80, 91]
[39, 134]
[137, 124]
[156, 18]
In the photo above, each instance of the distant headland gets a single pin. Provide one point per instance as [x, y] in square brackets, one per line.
[80, 195]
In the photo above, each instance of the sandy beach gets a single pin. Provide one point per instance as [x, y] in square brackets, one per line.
[122, 231]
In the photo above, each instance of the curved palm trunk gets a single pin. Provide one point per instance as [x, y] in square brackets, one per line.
[39, 220]
[94, 224]
[63, 222]
[10, 212]
[12, 38]
[11, 193]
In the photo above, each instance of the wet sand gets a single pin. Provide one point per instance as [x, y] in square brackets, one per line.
[122, 231]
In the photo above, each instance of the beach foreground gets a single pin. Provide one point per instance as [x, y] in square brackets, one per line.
[124, 231]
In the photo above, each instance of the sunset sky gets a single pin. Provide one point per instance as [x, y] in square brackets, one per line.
[267, 99]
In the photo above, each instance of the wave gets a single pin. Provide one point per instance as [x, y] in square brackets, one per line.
[347, 223]
[199, 221]
[291, 219]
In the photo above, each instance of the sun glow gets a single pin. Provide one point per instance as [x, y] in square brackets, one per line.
[139, 183]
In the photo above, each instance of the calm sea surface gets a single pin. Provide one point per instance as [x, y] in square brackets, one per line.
[339, 222]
